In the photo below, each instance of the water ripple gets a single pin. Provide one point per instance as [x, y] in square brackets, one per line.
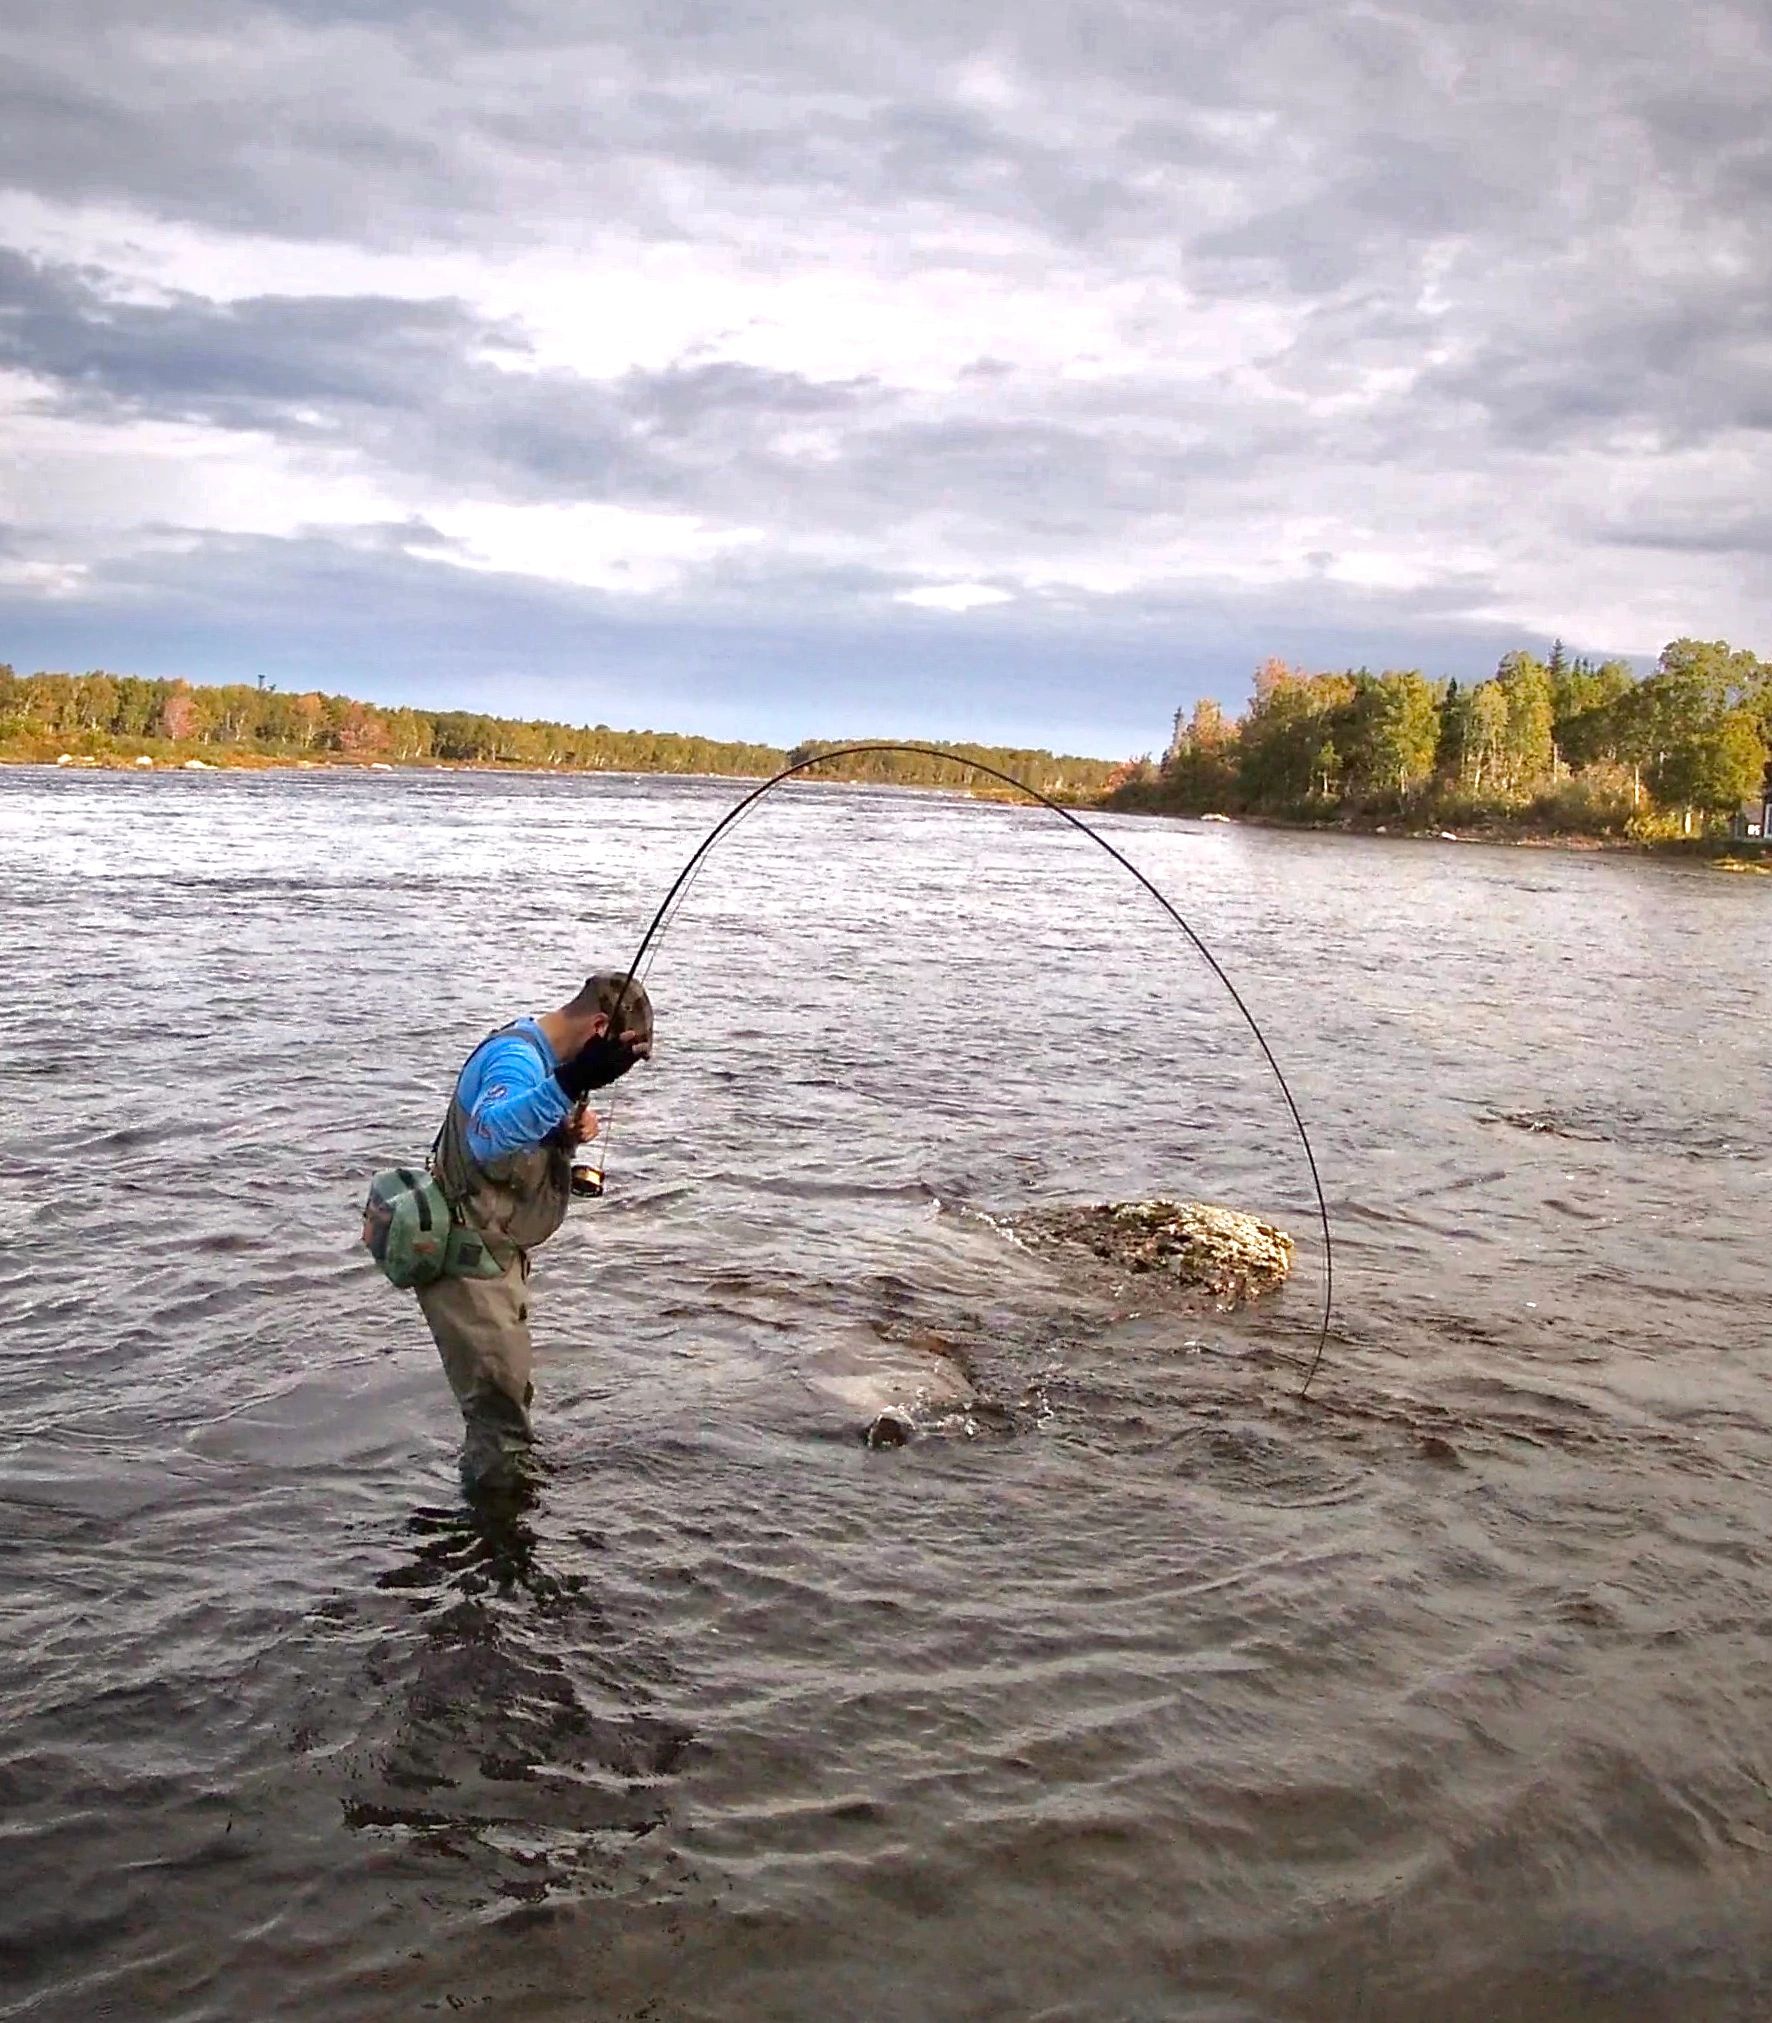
[1131, 1685]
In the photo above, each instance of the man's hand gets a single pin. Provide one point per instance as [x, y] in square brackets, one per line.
[581, 1125]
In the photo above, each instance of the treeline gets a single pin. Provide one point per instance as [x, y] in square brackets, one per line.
[96, 715]
[115, 716]
[1560, 744]
[1061, 777]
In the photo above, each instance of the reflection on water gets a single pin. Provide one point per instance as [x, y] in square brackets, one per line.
[1132, 1686]
[502, 1723]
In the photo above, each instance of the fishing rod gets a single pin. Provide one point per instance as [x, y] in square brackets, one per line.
[683, 878]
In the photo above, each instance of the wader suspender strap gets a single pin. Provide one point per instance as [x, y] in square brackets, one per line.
[409, 1180]
[518, 1030]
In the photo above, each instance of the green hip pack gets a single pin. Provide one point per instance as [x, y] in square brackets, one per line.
[412, 1235]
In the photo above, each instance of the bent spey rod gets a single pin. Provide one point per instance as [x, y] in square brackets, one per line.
[680, 884]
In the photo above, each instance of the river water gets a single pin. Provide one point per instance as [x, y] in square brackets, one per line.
[1142, 1691]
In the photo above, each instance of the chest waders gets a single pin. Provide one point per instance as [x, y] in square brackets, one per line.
[477, 1308]
[508, 1204]
[465, 1218]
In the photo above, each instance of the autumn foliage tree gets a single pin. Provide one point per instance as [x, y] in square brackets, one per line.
[101, 712]
[1562, 741]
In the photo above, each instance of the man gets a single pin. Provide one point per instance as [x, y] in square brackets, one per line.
[504, 1159]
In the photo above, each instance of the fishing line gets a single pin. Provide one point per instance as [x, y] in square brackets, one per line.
[606, 1134]
[680, 885]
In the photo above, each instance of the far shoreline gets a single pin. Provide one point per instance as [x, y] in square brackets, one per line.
[254, 762]
[1726, 852]
[1719, 852]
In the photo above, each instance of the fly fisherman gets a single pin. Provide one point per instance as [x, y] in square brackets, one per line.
[504, 1160]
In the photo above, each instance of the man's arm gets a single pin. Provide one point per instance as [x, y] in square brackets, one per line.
[517, 1101]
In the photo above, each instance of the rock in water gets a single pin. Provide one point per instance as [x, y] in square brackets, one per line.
[1219, 1251]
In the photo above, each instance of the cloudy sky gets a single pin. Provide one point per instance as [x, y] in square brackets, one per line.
[794, 367]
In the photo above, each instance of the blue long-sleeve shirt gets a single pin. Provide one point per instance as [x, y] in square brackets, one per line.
[509, 1092]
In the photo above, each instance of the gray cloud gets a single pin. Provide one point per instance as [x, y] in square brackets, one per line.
[367, 123]
[1688, 361]
[415, 378]
[411, 381]
[1436, 117]
[1731, 534]
[266, 361]
[1453, 278]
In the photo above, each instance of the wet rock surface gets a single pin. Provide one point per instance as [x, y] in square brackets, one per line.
[1204, 1248]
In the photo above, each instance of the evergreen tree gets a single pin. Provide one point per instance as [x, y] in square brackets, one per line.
[1448, 742]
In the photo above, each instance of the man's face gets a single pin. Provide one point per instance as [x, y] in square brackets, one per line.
[635, 1042]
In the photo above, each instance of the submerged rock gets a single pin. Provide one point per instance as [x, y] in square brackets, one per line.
[1215, 1250]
